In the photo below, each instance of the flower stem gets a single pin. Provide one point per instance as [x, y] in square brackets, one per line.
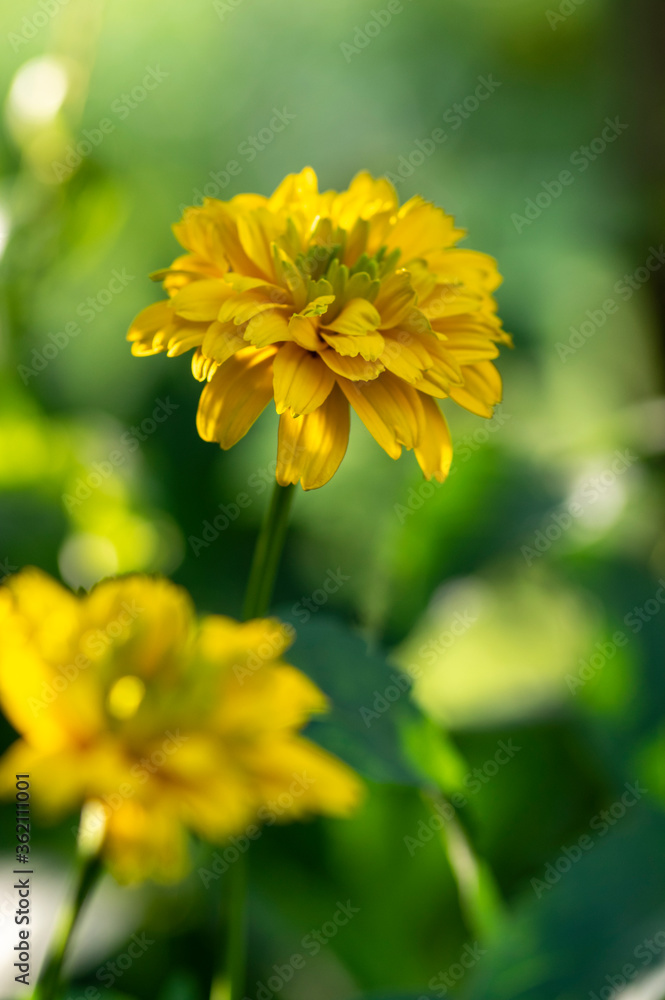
[268, 552]
[49, 980]
[230, 984]
[237, 926]
[479, 895]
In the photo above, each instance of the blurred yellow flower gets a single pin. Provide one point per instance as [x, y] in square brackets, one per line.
[321, 300]
[156, 721]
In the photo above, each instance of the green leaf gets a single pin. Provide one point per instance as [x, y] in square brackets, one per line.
[587, 914]
[370, 700]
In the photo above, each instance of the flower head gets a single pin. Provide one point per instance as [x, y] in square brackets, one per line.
[161, 722]
[321, 300]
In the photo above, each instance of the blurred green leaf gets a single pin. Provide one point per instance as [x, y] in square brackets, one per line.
[370, 698]
[573, 930]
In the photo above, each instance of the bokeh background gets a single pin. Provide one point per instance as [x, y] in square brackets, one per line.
[518, 619]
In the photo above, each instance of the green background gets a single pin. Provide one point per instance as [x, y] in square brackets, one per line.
[494, 603]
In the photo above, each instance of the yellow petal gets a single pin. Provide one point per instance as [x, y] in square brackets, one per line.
[155, 634]
[445, 370]
[421, 228]
[236, 395]
[268, 327]
[357, 318]
[395, 299]
[467, 331]
[356, 368]
[405, 355]
[222, 639]
[147, 325]
[40, 623]
[335, 790]
[221, 341]
[295, 188]
[188, 267]
[468, 348]
[391, 410]
[356, 241]
[199, 232]
[365, 198]
[470, 266]
[226, 222]
[422, 279]
[301, 380]
[242, 308]
[257, 231]
[203, 367]
[304, 332]
[146, 842]
[182, 336]
[241, 283]
[481, 390]
[451, 299]
[311, 447]
[201, 300]
[369, 347]
[273, 698]
[435, 450]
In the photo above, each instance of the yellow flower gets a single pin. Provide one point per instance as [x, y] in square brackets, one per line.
[321, 300]
[160, 722]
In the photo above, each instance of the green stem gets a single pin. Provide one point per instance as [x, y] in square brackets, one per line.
[230, 983]
[479, 895]
[49, 980]
[268, 552]
[238, 926]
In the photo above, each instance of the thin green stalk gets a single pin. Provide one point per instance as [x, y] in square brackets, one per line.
[230, 983]
[268, 552]
[49, 980]
[479, 895]
[238, 926]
